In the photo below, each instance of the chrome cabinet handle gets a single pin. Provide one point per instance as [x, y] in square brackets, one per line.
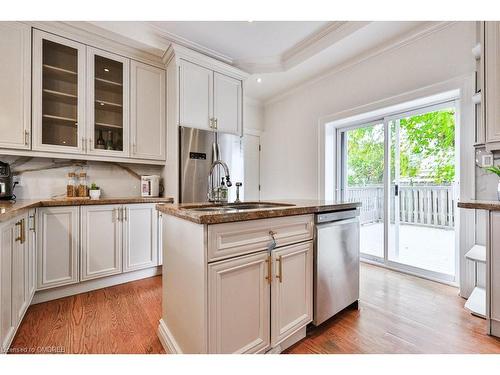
[125, 214]
[33, 220]
[26, 137]
[19, 237]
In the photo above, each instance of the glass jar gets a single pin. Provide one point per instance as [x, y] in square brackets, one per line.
[71, 189]
[83, 190]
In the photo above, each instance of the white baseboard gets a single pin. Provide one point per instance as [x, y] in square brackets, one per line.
[167, 340]
[87, 286]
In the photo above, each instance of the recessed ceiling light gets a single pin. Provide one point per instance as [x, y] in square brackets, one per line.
[101, 103]
[259, 80]
[106, 69]
[250, 21]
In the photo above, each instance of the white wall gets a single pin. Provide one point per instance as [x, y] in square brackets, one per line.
[289, 143]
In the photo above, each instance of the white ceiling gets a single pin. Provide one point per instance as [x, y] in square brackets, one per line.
[282, 53]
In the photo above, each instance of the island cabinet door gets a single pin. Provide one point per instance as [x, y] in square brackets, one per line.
[291, 302]
[140, 223]
[238, 305]
[57, 247]
[101, 241]
[7, 323]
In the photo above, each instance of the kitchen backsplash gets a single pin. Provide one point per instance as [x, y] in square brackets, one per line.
[47, 178]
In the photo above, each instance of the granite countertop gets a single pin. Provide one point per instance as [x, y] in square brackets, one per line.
[10, 209]
[480, 205]
[289, 208]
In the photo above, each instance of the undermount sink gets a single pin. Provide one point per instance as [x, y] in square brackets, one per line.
[238, 207]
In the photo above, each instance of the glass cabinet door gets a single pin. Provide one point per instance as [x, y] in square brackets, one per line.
[58, 93]
[108, 104]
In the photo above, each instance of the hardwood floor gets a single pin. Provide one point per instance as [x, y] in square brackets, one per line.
[401, 314]
[119, 319]
[397, 314]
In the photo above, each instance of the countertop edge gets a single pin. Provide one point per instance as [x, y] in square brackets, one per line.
[220, 218]
[37, 203]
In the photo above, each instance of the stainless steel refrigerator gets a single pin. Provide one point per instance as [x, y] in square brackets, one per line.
[198, 150]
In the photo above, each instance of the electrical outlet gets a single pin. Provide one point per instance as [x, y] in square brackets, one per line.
[17, 179]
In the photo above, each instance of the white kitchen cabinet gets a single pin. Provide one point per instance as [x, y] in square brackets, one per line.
[20, 297]
[58, 90]
[140, 229]
[228, 102]
[31, 233]
[101, 241]
[195, 96]
[491, 85]
[108, 102]
[238, 303]
[147, 115]
[7, 323]
[15, 89]
[292, 299]
[15, 272]
[493, 274]
[57, 246]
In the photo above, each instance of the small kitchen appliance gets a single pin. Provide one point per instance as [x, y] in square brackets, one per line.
[150, 186]
[6, 182]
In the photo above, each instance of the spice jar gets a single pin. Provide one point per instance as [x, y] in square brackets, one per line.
[71, 189]
[83, 185]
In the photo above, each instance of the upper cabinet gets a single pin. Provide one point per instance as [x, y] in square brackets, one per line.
[15, 85]
[228, 101]
[195, 96]
[108, 103]
[492, 88]
[209, 100]
[147, 116]
[58, 94]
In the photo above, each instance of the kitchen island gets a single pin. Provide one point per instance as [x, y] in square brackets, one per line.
[238, 278]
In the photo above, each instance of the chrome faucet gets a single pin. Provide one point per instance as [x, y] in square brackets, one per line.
[211, 194]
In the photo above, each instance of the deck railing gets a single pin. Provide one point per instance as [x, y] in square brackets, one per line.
[428, 205]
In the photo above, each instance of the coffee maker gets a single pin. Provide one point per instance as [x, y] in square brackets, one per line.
[6, 182]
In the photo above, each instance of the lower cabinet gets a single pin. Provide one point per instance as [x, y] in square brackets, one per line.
[257, 301]
[101, 241]
[140, 233]
[57, 247]
[238, 305]
[16, 267]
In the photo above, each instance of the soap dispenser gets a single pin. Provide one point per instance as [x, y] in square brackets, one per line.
[223, 192]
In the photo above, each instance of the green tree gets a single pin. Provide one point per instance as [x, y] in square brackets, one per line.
[427, 150]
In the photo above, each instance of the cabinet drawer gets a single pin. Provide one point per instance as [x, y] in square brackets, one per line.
[232, 239]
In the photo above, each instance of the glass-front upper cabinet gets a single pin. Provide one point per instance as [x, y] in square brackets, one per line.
[108, 103]
[58, 93]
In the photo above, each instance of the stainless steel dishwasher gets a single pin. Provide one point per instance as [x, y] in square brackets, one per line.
[336, 263]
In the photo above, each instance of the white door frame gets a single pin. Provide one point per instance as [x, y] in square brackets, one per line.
[341, 183]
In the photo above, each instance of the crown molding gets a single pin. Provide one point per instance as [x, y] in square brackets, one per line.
[419, 33]
[330, 34]
[180, 41]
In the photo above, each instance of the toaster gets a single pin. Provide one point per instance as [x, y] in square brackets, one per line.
[150, 186]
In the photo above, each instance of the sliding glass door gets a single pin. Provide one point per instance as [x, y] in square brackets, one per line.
[404, 165]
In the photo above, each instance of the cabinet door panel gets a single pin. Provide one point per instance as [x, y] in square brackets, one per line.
[107, 103]
[196, 96]
[6, 320]
[20, 270]
[15, 89]
[57, 247]
[238, 301]
[31, 253]
[227, 104]
[141, 237]
[291, 304]
[58, 93]
[101, 241]
[147, 111]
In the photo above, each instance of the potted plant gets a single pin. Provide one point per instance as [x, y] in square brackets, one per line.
[495, 170]
[94, 191]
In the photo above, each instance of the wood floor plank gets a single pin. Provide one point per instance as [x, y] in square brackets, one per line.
[397, 314]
